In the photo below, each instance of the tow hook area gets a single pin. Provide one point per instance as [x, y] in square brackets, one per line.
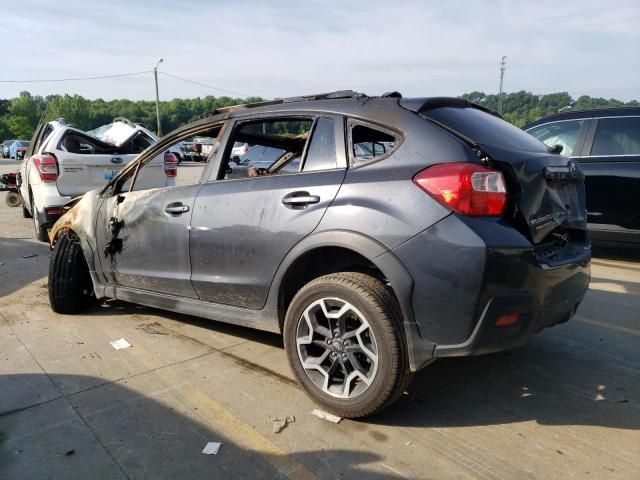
[115, 244]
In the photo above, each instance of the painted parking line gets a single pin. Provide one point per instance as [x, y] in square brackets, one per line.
[608, 326]
[216, 415]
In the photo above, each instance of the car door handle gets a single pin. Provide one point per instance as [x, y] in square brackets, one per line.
[176, 208]
[299, 199]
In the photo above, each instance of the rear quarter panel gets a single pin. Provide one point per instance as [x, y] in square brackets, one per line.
[381, 201]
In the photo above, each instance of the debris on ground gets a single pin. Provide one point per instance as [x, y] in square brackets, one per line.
[68, 453]
[153, 328]
[211, 448]
[120, 344]
[31, 255]
[279, 425]
[326, 416]
[1, 264]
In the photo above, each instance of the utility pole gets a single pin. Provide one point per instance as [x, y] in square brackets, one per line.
[503, 63]
[155, 75]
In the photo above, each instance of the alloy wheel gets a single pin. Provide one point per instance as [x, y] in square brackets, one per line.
[337, 348]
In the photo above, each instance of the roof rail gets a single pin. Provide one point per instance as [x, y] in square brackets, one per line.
[123, 120]
[304, 98]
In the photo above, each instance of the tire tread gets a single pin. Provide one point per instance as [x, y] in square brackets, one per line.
[381, 300]
[69, 281]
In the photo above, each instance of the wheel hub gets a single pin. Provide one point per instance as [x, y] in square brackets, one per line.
[337, 348]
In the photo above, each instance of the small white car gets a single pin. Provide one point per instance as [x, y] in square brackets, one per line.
[63, 162]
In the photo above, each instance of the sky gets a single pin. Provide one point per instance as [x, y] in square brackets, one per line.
[285, 48]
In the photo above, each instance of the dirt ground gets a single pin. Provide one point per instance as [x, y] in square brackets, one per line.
[567, 405]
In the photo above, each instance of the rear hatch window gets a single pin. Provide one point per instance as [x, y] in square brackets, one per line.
[85, 163]
[546, 190]
[485, 129]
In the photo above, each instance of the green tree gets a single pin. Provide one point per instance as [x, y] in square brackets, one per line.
[75, 109]
[24, 114]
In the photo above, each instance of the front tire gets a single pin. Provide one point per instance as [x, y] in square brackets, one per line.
[344, 341]
[70, 287]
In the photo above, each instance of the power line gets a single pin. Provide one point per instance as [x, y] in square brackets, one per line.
[204, 84]
[130, 74]
[76, 78]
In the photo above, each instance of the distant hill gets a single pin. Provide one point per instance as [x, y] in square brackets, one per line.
[523, 107]
[20, 116]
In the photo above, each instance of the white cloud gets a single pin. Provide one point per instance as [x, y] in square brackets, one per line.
[289, 48]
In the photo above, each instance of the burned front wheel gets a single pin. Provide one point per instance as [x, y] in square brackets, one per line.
[345, 345]
[70, 286]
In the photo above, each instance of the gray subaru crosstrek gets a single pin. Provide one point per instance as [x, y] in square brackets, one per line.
[386, 233]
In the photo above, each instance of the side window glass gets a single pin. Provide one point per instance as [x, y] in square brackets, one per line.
[322, 149]
[74, 143]
[559, 133]
[198, 149]
[137, 144]
[370, 143]
[617, 136]
[266, 147]
[170, 167]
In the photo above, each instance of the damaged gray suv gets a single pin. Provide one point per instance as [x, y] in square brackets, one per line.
[383, 233]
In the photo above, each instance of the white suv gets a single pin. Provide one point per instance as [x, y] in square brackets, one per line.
[63, 162]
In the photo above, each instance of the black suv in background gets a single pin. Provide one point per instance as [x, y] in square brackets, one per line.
[385, 233]
[606, 143]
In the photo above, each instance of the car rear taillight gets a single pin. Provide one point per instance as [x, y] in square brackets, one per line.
[467, 188]
[47, 167]
[170, 164]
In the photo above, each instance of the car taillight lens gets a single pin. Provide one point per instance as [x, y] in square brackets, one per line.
[47, 167]
[467, 188]
[170, 164]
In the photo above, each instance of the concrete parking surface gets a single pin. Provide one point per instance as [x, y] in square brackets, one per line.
[564, 406]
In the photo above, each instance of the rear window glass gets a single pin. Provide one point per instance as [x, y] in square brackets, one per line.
[485, 129]
[369, 143]
[617, 136]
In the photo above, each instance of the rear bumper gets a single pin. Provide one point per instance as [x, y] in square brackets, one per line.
[48, 203]
[489, 338]
[468, 273]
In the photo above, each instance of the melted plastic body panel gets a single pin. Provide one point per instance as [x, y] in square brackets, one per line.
[141, 245]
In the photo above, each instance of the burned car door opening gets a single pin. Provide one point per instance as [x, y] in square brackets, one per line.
[136, 226]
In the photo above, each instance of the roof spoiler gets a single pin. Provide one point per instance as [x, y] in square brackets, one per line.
[419, 105]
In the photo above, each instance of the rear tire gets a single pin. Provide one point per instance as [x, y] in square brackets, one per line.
[70, 286]
[25, 211]
[40, 228]
[367, 342]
